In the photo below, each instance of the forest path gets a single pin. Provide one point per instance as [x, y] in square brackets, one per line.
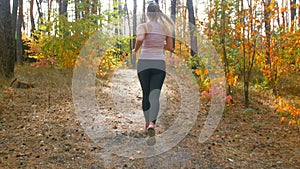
[39, 128]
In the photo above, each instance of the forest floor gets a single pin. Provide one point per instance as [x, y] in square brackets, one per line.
[40, 129]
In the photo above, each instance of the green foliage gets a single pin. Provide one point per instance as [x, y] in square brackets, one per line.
[59, 42]
[200, 71]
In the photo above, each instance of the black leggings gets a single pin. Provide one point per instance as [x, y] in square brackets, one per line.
[151, 74]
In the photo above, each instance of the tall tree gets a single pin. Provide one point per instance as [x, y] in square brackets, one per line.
[14, 22]
[7, 58]
[173, 16]
[19, 50]
[14, 16]
[49, 10]
[144, 11]
[128, 20]
[192, 25]
[133, 60]
[39, 8]
[32, 17]
[293, 12]
[94, 7]
[267, 22]
[77, 9]
[116, 16]
[223, 42]
[63, 6]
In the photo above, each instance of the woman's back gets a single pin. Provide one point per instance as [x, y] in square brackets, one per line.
[154, 41]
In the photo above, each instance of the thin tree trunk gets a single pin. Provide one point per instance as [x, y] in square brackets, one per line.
[192, 25]
[144, 11]
[14, 23]
[14, 16]
[246, 84]
[100, 13]
[63, 6]
[268, 31]
[251, 41]
[49, 14]
[119, 16]
[133, 59]
[283, 16]
[293, 13]
[77, 10]
[128, 20]
[32, 17]
[115, 7]
[173, 16]
[94, 6]
[223, 43]
[39, 4]
[19, 50]
[49, 9]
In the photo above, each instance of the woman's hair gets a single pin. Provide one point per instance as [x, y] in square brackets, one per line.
[154, 12]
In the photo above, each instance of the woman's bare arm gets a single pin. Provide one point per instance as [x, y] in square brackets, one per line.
[169, 44]
[140, 37]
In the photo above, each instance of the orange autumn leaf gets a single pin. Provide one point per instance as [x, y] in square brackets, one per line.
[205, 71]
[283, 10]
[282, 119]
[280, 110]
[198, 72]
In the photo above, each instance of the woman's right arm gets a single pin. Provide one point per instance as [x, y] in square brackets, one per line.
[169, 44]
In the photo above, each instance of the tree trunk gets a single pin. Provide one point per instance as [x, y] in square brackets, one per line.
[63, 6]
[7, 59]
[192, 25]
[120, 12]
[173, 16]
[115, 16]
[77, 10]
[268, 31]
[283, 17]
[14, 23]
[144, 11]
[14, 16]
[19, 50]
[129, 25]
[49, 9]
[39, 8]
[293, 13]
[32, 17]
[87, 9]
[133, 59]
[94, 7]
[223, 43]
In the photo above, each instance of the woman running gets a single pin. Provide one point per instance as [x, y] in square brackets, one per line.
[153, 37]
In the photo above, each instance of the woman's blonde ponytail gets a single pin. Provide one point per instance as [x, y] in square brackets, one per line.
[165, 21]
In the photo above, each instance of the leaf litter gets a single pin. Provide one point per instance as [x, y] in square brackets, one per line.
[40, 129]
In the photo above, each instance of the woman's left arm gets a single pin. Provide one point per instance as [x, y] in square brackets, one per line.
[140, 38]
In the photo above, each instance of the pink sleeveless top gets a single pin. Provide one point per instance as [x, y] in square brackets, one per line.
[153, 45]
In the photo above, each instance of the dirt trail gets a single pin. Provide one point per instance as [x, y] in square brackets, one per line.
[40, 129]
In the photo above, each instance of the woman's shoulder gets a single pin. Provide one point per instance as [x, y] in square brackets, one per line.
[142, 25]
[146, 26]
